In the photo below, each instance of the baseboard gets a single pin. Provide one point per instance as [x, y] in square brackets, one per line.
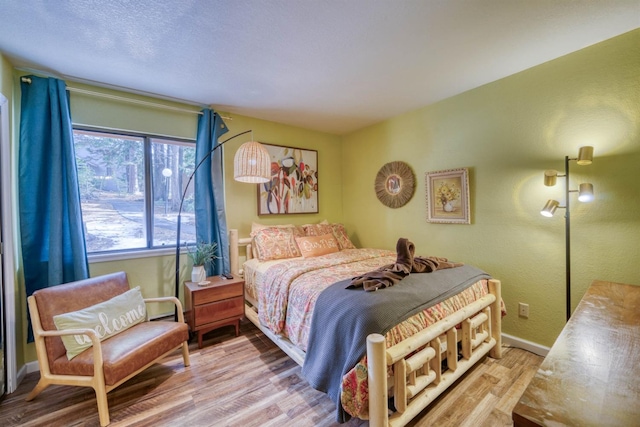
[27, 368]
[512, 341]
[32, 367]
[22, 372]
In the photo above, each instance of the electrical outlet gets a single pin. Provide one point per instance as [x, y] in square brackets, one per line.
[523, 310]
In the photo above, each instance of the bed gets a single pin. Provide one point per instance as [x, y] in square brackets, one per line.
[413, 362]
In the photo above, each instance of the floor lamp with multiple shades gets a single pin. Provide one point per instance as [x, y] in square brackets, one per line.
[585, 194]
[251, 164]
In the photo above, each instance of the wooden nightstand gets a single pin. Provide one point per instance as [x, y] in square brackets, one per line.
[221, 303]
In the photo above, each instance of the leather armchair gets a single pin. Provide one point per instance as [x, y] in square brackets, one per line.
[108, 363]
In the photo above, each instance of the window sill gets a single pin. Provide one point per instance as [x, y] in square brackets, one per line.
[126, 255]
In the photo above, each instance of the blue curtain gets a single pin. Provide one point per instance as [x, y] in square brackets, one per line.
[211, 223]
[51, 232]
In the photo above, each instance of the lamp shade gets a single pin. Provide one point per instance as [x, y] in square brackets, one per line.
[550, 177]
[550, 208]
[252, 163]
[585, 194]
[585, 155]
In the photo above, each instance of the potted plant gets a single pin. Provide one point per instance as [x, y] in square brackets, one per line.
[201, 256]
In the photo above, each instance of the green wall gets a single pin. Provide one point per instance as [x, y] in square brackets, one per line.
[507, 133]
[111, 113]
[242, 198]
[18, 322]
[6, 77]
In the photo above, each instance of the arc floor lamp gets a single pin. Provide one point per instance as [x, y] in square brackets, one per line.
[251, 164]
[585, 194]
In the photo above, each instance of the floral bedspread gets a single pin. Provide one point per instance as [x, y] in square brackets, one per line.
[289, 289]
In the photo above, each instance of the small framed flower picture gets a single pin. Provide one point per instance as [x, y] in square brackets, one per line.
[448, 196]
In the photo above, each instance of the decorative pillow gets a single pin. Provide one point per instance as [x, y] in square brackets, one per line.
[297, 229]
[341, 236]
[324, 221]
[255, 227]
[276, 243]
[311, 246]
[107, 319]
[317, 229]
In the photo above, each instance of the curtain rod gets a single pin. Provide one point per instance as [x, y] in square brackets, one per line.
[130, 100]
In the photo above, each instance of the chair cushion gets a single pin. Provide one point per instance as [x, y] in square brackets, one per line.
[107, 319]
[127, 351]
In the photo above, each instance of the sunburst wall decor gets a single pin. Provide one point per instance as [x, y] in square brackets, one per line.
[395, 184]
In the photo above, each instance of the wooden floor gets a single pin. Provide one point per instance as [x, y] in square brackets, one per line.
[247, 381]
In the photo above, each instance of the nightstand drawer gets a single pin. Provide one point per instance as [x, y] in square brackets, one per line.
[219, 304]
[219, 310]
[217, 293]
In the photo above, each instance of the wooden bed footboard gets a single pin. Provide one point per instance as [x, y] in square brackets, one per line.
[418, 378]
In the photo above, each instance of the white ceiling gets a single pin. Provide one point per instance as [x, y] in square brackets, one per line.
[328, 65]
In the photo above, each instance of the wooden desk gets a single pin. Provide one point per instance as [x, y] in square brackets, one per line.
[591, 376]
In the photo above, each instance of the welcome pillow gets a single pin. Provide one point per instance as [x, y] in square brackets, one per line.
[107, 319]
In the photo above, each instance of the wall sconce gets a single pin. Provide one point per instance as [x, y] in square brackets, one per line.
[585, 194]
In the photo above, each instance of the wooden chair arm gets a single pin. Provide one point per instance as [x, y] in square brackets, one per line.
[85, 331]
[95, 343]
[174, 300]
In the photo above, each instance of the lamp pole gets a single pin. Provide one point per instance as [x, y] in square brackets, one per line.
[567, 231]
[585, 194]
[184, 193]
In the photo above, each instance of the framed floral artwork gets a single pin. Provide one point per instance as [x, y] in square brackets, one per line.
[448, 196]
[293, 188]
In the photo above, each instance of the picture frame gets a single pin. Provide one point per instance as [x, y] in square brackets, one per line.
[448, 196]
[293, 188]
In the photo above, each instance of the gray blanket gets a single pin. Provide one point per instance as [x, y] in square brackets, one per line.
[342, 319]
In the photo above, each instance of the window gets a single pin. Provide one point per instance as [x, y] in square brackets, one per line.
[130, 190]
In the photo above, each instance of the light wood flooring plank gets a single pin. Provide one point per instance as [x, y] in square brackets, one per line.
[247, 381]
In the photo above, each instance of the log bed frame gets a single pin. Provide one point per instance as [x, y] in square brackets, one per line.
[417, 379]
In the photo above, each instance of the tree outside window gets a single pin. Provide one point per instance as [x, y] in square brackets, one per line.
[130, 189]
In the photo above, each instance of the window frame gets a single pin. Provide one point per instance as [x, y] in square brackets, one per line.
[149, 250]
